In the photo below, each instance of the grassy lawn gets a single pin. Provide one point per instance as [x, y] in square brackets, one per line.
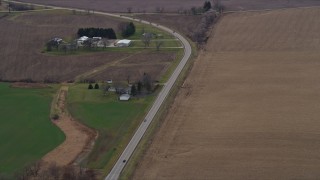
[142, 28]
[116, 121]
[166, 43]
[26, 133]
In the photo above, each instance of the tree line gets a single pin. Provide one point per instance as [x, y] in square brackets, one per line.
[38, 171]
[97, 32]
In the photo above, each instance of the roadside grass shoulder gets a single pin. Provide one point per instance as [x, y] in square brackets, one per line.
[26, 132]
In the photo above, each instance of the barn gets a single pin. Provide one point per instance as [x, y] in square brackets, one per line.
[123, 43]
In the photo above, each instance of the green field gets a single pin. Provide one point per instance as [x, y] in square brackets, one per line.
[116, 121]
[26, 133]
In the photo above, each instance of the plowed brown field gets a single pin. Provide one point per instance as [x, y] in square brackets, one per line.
[250, 107]
[173, 5]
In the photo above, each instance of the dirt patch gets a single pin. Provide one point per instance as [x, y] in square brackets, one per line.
[28, 85]
[79, 138]
[249, 109]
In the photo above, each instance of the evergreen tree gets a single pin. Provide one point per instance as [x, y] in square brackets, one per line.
[139, 86]
[129, 30]
[206, 6]
[90, 86]
[96, 86]
[133, 90]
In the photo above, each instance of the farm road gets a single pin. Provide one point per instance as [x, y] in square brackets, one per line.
[78, 137]
[102, 68]
[125, 156]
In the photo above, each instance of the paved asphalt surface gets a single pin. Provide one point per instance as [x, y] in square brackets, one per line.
[126, 154]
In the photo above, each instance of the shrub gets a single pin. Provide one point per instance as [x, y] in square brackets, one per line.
[96, 86]
[90, 86]
[55, 117]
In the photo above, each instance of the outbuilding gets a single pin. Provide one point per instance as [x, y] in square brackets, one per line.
[123, 43]
[124, 97]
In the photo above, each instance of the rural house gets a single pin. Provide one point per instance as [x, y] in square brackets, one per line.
[124, 97]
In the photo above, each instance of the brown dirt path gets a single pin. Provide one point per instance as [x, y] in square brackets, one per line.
[79, 138]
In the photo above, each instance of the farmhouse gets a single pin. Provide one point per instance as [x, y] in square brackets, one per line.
[123, 43]
[124, 97]
[57, 40]
[81, 40]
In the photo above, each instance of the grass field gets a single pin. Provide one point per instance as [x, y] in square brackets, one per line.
[115, 121]
[250, 107]
[26, 132]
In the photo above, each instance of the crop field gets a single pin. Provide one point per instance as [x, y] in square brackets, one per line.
[26, 132]
[24, 36]
[249, 109]
[21, 56]
[115, 121]
[184, 24]
[122, 6]
[155, 63]
[142, 6]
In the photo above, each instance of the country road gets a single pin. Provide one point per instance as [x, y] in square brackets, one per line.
[126, 154]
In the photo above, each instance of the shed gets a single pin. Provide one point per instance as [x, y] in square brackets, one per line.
[112, 89]
[124, 97]
[123, 43]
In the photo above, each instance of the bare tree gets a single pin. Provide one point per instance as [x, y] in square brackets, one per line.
[217, 5]
[129, 9]
[159, 43]
[54, 171]
[69, 173]
[34, 168]
[146, 38]
[159, 9]
[128, 78]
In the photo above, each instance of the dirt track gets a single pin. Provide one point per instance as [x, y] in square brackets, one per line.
[79, 138]
[250, 107]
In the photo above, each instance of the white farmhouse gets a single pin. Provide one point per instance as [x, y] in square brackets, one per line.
[81, 40]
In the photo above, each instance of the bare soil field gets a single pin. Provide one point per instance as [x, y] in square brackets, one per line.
[153, 63]
[173, 5]
[186, 24]
[250, 107]
[24, 36]
[239, 5]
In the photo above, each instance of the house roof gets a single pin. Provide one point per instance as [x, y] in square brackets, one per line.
[125, 97]
[83, 38]
[124, 41]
